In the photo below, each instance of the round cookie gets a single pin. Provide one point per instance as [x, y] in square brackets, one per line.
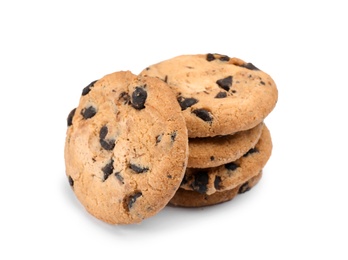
[126, 147]
[215, 151]
[230, 175]
[218, 95]
[186, 198]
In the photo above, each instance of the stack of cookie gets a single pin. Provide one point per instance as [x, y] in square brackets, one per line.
[224, 101]
[188, 131]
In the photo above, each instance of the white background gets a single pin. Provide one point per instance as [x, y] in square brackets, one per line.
[50, 50]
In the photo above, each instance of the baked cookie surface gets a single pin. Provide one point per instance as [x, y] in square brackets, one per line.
[228, 176]
[215, 151]
[126, 147]
[186, 198]
[218, 95]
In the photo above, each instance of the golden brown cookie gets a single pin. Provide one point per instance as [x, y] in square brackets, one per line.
[230, 175]
[186, 198]
[218, 95]
[126, 147]
[215, 151]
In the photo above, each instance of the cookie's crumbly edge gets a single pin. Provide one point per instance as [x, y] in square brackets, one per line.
[215, 151]
[230, 175]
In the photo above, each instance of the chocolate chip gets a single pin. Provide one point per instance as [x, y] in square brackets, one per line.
[231, 166]
[103, 132]
[244, 188]
[203, 114]
[71, 181]
[139, 97]
[212, 158]
[159, 138]
[224, 58]
[131, 199]
[70, 117]
[249, 66]
[186, 102]
[124, 96]
[210, 57]
[252, 150]
[138, 169]
[88, 112]
[108, 169]
[217, 182]
[173, 136]
[225, 83]
[166, 79]
[119, 177]
[107, 144]
[221, 95]
[200, 182]
[87, 89]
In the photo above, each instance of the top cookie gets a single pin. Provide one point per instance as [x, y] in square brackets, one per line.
[218, 95]
[126, 147]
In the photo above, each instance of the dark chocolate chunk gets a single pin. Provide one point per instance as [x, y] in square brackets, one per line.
[224, 58]
[200, 182]
[231, 166]
[159, 138]
[262, 82]
[166, 79]
[249, 66]
[217, 182]
[186, 102]
[119, 177]
[244, 188]
[88, 112]
[124, 96]
[252, 150]
[71, 181]
[87, 89]
[212, 158]
[139, 98]
[107, 144]
[210, 57]
[138, 169]
[203, 114]
[221, 95]
[130, 200]
[225, 83]
[70, 117]
[108, 169]
[173, 136]
[103, 132]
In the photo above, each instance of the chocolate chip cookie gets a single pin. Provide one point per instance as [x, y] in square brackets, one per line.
[218, 95]
[126, 147]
